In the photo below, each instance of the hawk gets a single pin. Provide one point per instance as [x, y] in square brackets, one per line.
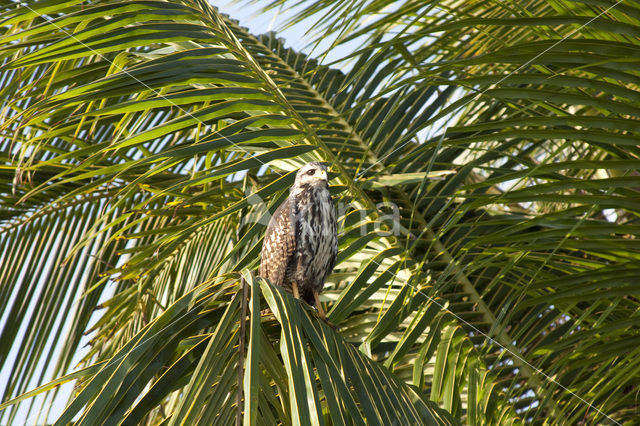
[301, 243]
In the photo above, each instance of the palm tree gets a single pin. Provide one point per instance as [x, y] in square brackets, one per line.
[484, 158]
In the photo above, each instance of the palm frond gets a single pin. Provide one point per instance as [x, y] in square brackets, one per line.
[484, 163]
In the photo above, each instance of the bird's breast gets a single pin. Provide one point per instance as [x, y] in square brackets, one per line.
[316, 236]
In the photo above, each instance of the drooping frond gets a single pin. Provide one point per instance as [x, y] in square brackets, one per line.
[484, 165]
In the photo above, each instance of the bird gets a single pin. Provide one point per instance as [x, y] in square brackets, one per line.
[301, 241]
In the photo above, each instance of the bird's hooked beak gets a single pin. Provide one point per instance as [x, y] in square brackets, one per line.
[323, 175]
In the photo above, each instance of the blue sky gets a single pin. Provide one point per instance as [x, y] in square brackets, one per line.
[249, 16]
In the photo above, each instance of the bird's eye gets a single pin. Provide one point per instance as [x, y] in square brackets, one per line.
[311, 172]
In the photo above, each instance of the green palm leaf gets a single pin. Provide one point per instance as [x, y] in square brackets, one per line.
[484, 163]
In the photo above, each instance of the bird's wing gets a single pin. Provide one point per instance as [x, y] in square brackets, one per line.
[279, 245]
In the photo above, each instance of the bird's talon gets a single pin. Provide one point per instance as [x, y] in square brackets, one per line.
[265, 312]
[330, 324]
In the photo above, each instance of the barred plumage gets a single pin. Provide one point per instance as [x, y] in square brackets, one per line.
[301, 242]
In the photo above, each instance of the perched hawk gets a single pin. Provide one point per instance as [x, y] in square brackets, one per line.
[301, 242]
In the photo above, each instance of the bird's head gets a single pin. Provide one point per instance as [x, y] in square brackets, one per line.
[311, 174]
